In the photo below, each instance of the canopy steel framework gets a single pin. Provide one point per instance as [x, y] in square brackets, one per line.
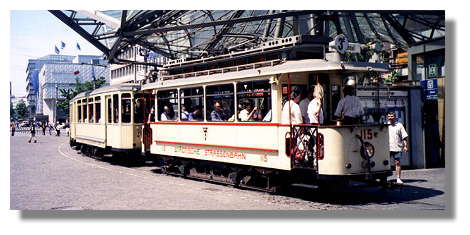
[195, 33]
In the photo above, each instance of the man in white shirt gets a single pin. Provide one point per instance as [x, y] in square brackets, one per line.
[398, 142]
[304, 106]
[295, 115]
[349, 107]
[315, 110]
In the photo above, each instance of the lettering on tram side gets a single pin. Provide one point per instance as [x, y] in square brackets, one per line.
[225, 154]
[210, 152]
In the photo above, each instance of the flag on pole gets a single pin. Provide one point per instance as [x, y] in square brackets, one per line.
[56, 50]
[78, 47]
[62, 45]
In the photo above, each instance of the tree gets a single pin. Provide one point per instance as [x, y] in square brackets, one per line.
[12, 112]
[69, 94]
[21, 110]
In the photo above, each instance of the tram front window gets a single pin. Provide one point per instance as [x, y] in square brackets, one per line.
[220, 103]
[254, 101]
[192, 104]
[126, 107]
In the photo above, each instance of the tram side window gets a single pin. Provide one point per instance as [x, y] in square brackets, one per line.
[116, 108]
[192, 104]
[126, 104]
[167, 105]
[110, 110]
[84, 105]
[79, 110]
[220, 103]
[98, 109]
[90, 111]
[254, 101]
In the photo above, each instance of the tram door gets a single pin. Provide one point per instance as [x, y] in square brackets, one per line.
[149, 116]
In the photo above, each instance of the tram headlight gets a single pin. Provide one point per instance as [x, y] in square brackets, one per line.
[367, 150]
[348, 166]
[386, 162]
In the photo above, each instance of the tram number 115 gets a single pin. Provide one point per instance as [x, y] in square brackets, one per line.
[366, 134]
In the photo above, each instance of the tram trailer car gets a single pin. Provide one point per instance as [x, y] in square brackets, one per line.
[265, 152]
[106, 120]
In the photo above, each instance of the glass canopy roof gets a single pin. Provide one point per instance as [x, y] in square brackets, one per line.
[196, 33]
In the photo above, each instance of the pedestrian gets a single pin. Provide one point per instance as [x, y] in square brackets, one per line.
[398, 142]
[350, 108]
[50, 128]
[43, 128]
[33, 133]
[57, 128]
[13, 128]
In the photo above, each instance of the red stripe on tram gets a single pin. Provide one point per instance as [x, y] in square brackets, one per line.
[218, 146]
[227, 124]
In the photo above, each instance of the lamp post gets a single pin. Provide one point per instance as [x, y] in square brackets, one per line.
[56, 101]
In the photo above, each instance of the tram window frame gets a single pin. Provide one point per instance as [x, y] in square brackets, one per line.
[253, 89]
[126, 108]
[168, 98]
[79, 111]
[85, 110]
[97, 109]
[91, 111]
[225, 97]
[116, 108]
[109, 105]
[192, 95]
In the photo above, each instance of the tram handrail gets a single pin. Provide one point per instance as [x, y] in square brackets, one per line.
[223, 70]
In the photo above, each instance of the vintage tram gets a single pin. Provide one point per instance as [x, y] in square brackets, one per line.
[219, 118]
[108, 120]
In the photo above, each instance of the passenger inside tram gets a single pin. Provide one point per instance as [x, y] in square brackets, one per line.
[291, 111]
[248, 113]
[350, 109]
[168, 114]
[196, 115]
[306, 97]
[218, 114]
[151, 116]
[315, 107]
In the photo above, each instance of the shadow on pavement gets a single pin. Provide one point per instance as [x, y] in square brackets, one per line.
[361, 196]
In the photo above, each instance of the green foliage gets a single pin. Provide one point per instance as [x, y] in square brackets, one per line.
[68, 94]
[12, 112]
[21, 111]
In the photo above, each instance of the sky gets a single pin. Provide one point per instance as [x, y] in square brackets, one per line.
[34, 34]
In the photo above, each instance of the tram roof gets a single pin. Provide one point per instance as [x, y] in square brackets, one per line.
[105, 89]
[196, 33]
[295, 66]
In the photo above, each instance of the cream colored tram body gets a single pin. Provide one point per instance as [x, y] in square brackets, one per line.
[264, 146]
[104, 121]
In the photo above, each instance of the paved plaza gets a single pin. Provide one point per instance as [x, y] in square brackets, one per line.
[50, 175]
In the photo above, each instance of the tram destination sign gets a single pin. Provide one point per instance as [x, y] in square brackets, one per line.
[429, 89]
